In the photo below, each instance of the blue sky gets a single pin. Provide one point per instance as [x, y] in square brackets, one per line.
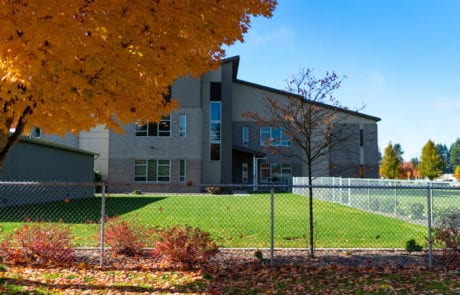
[401, 59]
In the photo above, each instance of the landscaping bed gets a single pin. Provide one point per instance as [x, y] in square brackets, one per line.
[238, 271]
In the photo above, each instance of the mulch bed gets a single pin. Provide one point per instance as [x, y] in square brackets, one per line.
[346, 258]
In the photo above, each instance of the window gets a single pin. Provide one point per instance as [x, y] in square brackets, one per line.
[245, 136]
[215, 151]
[215, 91]
[152, 170]
[215, 112]
[274, 136]
[36, 133]
[182, 168]
[182, 125]
[275, 173]
[163, 128]
[361, 137]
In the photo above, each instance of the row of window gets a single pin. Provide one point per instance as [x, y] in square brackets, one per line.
[158, 170]
[162, 128]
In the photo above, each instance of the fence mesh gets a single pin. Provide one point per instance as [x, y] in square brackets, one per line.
[346, 214]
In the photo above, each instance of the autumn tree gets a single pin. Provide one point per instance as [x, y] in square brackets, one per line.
[457, 173]
[309, 117]
[391, 164]
[67, 66]
[431, 164]
[454, 152]
[408, 170]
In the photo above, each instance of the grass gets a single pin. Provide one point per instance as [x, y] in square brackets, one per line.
[409, 203]
[235, 221]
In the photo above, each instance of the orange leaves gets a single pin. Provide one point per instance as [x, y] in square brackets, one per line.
[85, 62]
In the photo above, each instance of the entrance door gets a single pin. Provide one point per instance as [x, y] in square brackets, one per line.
[244, 172]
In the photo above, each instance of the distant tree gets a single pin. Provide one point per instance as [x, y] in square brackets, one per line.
[391, 165]
[457, 173]
[443, 151]
[309, 119]
[431, 164]
[408, 170]
[415, 161]
[399, 151]
[455, 153]
[67, 66]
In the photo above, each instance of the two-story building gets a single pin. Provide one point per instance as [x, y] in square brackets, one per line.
[209, 141]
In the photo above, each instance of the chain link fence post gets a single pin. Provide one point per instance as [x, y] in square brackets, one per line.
[430, 220]
[102, 234]
[272, 225]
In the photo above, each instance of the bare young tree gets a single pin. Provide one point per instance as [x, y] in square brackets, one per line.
[311, 119]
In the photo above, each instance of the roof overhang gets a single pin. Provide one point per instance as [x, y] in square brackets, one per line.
[255, 153]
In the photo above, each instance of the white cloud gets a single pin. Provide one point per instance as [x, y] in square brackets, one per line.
[280, 36]
[446, 104]
[376, 78]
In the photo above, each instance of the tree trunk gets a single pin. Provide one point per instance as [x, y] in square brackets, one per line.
[310, 206]
[9, 139]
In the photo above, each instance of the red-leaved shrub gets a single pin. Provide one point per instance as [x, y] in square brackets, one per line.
[39, 243]
[187, 246]
[126, 237]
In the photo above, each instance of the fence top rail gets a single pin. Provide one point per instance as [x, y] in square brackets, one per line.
[425, 186]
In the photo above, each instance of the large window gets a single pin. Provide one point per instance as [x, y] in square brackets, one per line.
[274, 136]
[275, 173]
[163, 128]
[182, 125]
[152, 170]
[215, 114]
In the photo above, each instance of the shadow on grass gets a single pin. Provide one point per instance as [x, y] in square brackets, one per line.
[76, 211]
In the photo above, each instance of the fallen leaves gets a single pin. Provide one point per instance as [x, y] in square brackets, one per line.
[232, 276]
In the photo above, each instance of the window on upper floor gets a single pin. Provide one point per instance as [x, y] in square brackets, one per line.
[274, 136]
[215, 91]
[152, 170]
[182, 125]
[245, 136]
[161, 129]
[215, 124]
[361, 137]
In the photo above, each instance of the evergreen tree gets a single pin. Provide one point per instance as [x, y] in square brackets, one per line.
[399, 151]
[391, 164]
[431, 164]
[455, 153]
[445, 156]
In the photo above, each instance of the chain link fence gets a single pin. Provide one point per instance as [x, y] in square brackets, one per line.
[345, 215]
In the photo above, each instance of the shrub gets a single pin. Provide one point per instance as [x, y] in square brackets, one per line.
[218, 190]
[412, 246]
[185, 245]
[441, 214]
[416, 210]
[447, 235]
[126, 237]
[39, 243]
[384, 205]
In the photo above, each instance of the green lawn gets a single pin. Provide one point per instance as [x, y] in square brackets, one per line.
[235, 221]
